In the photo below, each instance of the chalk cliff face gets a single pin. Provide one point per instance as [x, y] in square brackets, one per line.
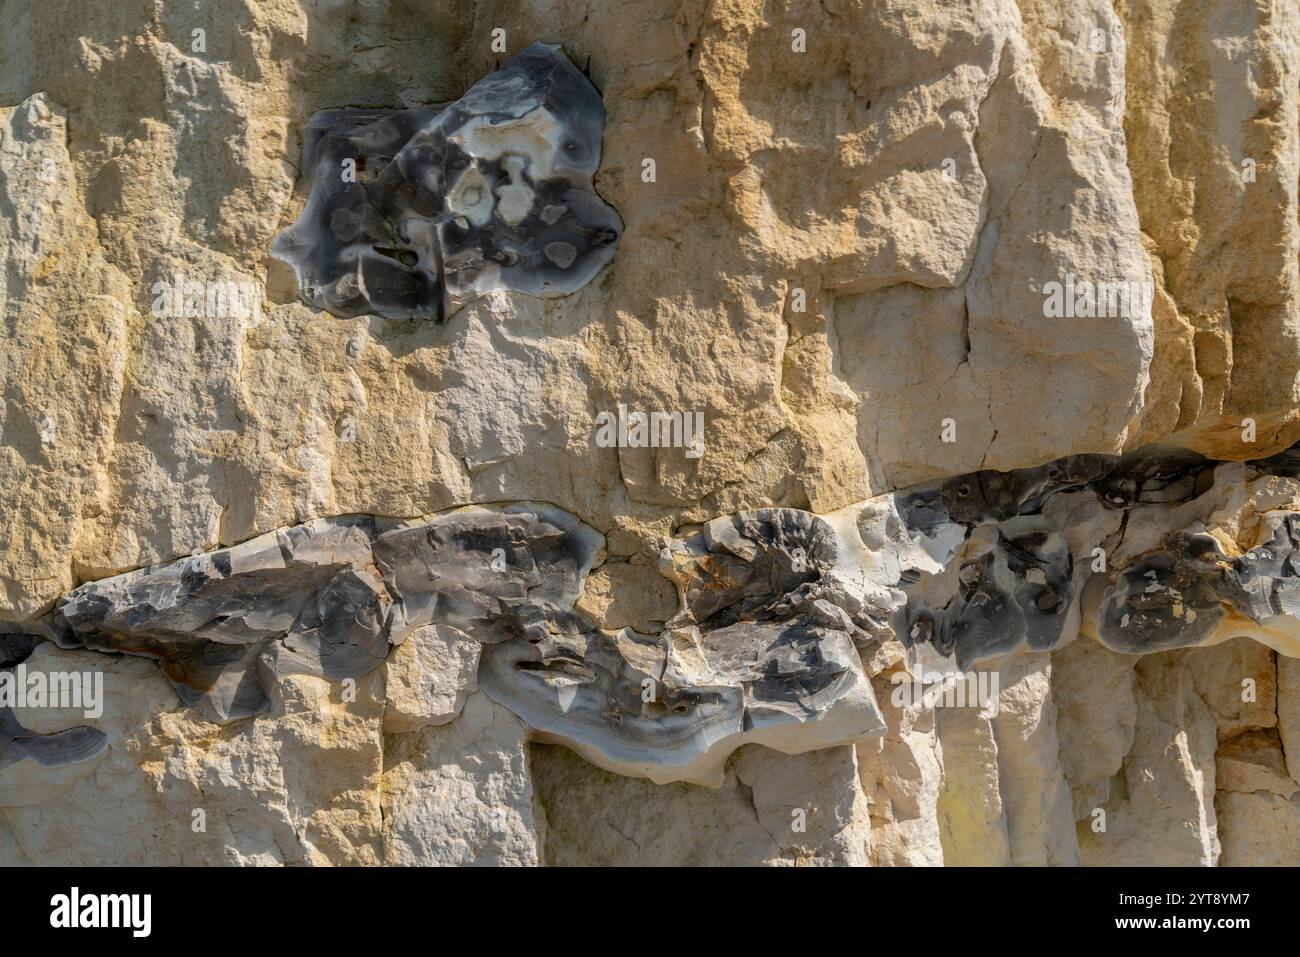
[341, 480]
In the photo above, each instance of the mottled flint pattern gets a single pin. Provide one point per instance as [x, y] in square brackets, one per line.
[775, 605]
[414, 213]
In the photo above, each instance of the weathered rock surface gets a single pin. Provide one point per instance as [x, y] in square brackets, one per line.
[839, 229]
[428, 677]
[299, 784]
[462, 794]
[762, 814]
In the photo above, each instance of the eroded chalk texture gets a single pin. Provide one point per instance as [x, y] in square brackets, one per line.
[414, 213]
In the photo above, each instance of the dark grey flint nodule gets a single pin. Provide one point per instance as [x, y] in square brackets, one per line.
[414, 213]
